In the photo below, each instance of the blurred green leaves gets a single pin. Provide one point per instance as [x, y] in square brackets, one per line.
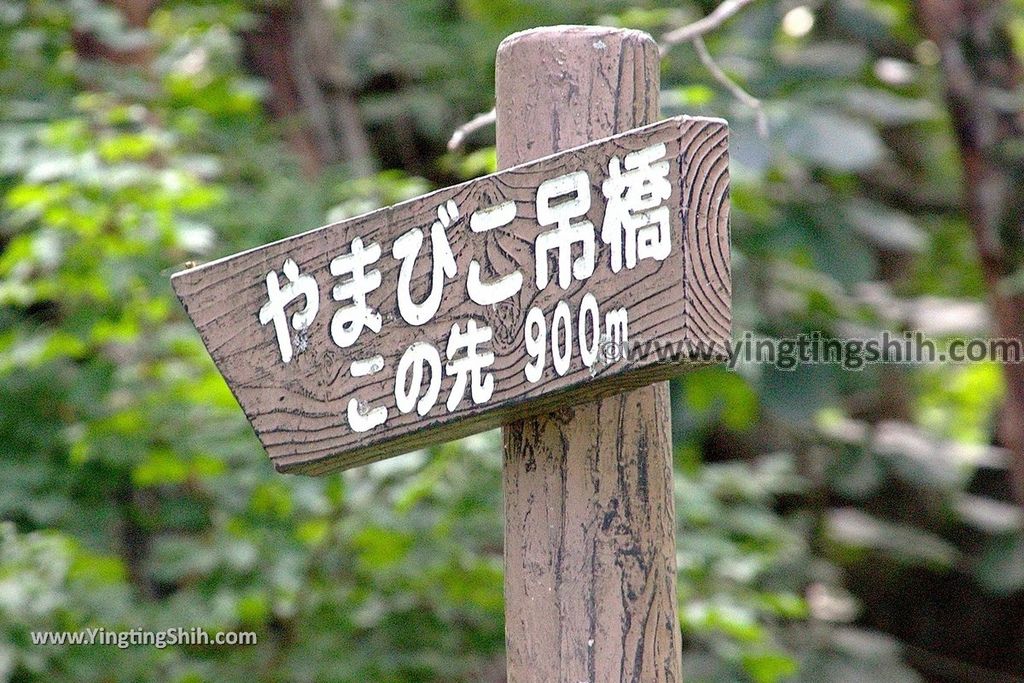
[136, 496]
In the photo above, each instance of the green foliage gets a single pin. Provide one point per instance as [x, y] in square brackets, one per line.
[135, 496]
[740, 567]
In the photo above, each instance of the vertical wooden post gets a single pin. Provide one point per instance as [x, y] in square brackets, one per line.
[590, 570]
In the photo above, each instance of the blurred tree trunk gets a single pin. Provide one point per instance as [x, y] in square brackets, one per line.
[136, 14]
[296, 50]
[982, 79]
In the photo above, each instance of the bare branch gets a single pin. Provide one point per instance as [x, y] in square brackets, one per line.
[739, 93]
[685, 34]
[476, 123]
[690, 33]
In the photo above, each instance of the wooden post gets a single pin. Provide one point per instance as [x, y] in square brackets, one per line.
[590, 570]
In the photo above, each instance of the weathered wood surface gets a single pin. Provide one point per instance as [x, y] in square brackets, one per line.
[590, 572]
[298, 408]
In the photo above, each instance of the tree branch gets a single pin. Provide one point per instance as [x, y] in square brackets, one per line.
[689, 33]
[732, 86]
[977, 61]
[476, 123]
[686, 34]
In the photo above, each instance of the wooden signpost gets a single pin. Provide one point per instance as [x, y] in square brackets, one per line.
[591, 272]
[469, 307]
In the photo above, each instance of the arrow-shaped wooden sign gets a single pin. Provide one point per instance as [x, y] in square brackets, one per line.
[582, 274]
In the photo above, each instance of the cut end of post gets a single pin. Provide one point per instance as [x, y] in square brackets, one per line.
[562, 33]
[572, 84]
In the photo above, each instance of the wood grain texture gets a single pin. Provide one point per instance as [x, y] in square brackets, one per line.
[298, 408]
[590, 572]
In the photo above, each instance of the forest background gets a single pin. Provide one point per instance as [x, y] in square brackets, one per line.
[833, 525]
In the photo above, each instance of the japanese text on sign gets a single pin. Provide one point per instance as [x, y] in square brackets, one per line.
[635, 227]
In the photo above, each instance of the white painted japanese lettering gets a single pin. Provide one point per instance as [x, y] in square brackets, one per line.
[349, 321]
[567, 233]
[279, 297]
[506, 286]
[636, 223]
[468, 367]
[418, 355]
[407, 248]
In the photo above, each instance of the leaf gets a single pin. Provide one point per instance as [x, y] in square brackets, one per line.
[916, 458]
[768, 666]
[835, 141]
[1001, 568]
[796, 394]
[380, 548]
[737, 622]
[856, 472]
[989, 515]
[160, 466]
[688, 96]
[725, 395]
[826, 59]
[886, 228]
[853, 528]
[885, 108]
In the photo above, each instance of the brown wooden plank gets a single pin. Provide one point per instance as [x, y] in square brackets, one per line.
[299, 408]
